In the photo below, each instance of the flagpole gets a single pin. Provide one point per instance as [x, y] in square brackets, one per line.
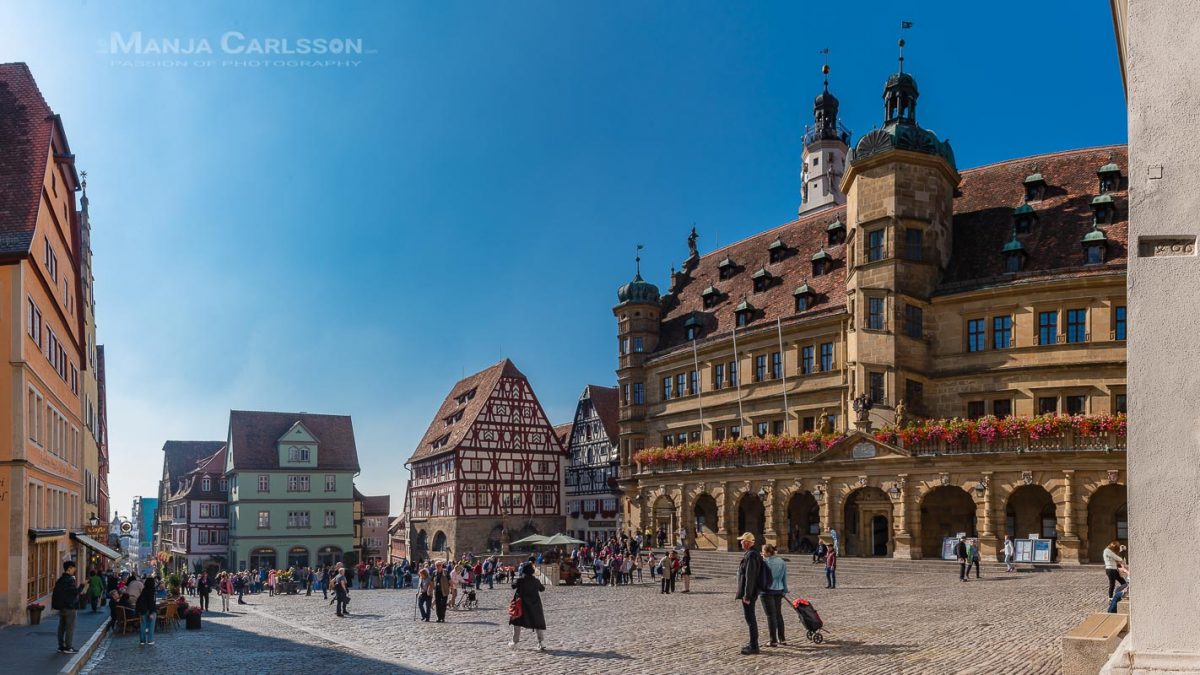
[738, 382]
[783, 375]
[699, 387]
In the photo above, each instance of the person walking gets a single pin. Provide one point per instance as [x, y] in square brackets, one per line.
[1009, 552]
[772, 597]
[749, 581]
[203, 588]
[441, 590]
[239, 583]
[424, 593]
[1113, 562]
[63, 600]
[95, 589]
[831, 558]
[960, 554]
[973, 557]
[528, 594]
[836, 547]
[147, 611]
[224, 590]
[341, 593]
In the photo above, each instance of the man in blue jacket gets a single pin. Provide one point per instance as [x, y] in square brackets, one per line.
[63, 600]
[749, 582]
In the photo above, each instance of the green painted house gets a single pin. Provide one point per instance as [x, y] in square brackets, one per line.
[291, 488]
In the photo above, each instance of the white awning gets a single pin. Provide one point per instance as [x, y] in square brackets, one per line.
[95, 546]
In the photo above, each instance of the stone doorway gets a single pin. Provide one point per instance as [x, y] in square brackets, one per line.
[880, 536]
[863, 507]
[945, 511]
[751, 518]
[804, 522]
[705, 514]
[1108, 518]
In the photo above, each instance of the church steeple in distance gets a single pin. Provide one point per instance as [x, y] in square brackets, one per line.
[826, 143]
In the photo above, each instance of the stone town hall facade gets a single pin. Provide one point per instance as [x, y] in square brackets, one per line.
[932, 294]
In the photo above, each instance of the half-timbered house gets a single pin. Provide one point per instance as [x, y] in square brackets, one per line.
[593, 511]
[487, 471]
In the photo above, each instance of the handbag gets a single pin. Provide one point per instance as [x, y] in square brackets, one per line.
[515, 609]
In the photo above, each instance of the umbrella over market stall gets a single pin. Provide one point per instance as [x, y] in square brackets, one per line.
[531, 540]
[561, 540]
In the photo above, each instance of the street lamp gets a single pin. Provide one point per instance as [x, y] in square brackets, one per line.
[816, 493]
[980, 488]
[93, 521]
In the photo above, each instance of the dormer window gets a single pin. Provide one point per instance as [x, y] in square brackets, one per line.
[451, 419]
[711, 296]
[1095, 246]
[1103, 208]
[744, 313]
[206, 484]
[1014, 255]
[836, 232]
[822, 262]
[692, 327]
[1024, 218]
[804, 297]
[726, 268]
[762, 280]
[1110, 176]
[441, 442]
[777, 250]
[1035, 187]
[465, 396]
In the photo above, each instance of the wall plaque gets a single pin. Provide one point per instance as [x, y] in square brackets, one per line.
[1158, 247]
[863, 450]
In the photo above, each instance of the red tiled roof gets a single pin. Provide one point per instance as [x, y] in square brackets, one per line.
[802, 238]
[190, 485]
[983, 220]
[563, 432]
[182, 457]
[376, 505]
[481, 384]
[26, 129]
[607, 406]
[253, 438]
[983, 223]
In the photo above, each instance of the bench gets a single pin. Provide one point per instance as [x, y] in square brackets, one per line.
[1086, 648]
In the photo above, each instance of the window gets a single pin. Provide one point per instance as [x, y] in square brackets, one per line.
[203, 536]
[33, 322]
[1077, 325]
[1012, 263]
[760, 367]
[692, 332]
[974, 409]
[679, 385]
[726, 269]
[821, 265]
[298, 519]
[1093, 254]
[625, 394]
[743, 318]
[733, 374]
[1047, 405]
[912, 243]
[976, 335]
[762, 281]
[1047, 328]
[693, 383]
[1001, 332]
[695, 437]
[639, 344]
[875, 313]
[776, 365]
[735, 431]
[1002, 407]
[623, 346]
[668, 440]
[330, 482]
[204, 511]
[718, 433]
[808, 424]
[875, 246]
[914, 394]
[914, 317]
[666, 388]
[264, 483]
[223, 485]
[760, 429]
[718, 376]
[264, 520]
[51, 261]
[639, 393]
[1119, 323]
[806, 360]
[297, 483]
[1076, 405]
[1119, 403]
[711, 298]
[826, 357]
[206, 484]
[802, 302]
[777, 427]
[876, 387]
[298, 454]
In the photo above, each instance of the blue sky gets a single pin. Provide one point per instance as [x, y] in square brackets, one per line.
[353, 239]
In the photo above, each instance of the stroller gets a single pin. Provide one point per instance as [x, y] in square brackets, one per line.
[468, 601]
[809, 617]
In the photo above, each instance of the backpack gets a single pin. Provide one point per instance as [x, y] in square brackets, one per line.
[765, 578]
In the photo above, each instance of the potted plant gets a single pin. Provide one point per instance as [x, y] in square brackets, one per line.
[191, 618]
[174, 583]
[35, 612]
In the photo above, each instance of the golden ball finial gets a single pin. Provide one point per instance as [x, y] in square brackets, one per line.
[825, 69]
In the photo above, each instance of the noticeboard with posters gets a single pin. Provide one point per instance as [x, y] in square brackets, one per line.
[948, 544]
[1024, 550]
[1042, 549]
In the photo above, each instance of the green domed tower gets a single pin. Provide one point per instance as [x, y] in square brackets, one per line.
[639, 317]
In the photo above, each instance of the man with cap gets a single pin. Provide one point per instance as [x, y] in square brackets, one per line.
[749, 581]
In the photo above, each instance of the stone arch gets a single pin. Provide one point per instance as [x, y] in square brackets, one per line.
[494, 538]
[420, 547]
[1107, 519]
[263, 557]
[1030, 509]
[946, 510]
[706, 521]
[751, 516]
[803, 521]
[439, 542]
[328, 555]
[297, 557]
[663, 518]
[866, 522]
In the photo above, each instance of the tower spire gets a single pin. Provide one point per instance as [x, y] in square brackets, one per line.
[637, 262]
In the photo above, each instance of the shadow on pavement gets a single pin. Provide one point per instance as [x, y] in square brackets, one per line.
[578, 653]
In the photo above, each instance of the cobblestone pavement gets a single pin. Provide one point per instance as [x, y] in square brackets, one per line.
[877, 622]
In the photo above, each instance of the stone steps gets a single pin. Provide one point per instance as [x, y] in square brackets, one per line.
[725, 563]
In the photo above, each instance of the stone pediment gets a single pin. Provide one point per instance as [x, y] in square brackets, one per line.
[859, 447]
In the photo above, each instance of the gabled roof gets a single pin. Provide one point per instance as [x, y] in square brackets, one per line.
[190, 484]
[482, 383]
[26, 129]
[181, 458]
[607, 405]
[254, 437]
[377, 505]
[563, 432]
